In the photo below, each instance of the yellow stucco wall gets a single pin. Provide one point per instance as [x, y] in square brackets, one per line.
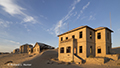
[86, 43]
[36, 49]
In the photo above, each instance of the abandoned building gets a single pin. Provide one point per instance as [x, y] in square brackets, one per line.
[25, 48]
[39, 47]
[16, 50]
[80, 43]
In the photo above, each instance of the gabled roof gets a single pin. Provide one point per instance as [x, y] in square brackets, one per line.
[43, 45]
[27, 45]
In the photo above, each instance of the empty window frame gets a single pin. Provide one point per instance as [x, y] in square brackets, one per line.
[68, 50]
[73, 36]
[90, 35]
[99, 35]
[90, 49]
[99, 50]
[66, 38]
[61, 38]
[62, 50]
[80, 34]
[80, 49]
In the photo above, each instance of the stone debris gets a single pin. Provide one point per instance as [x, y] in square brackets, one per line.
[49, 62]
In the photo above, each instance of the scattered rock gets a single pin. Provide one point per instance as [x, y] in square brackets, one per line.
[49, 62]
[61, 62]
[78, 63]
[68, 63]
[8, 62]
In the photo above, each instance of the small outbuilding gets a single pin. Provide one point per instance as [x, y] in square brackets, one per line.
[39, 47]
[16, 50]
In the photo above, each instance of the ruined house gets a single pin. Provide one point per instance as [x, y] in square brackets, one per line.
[25, 48]
[16, 50]
[39, 47]
[80, 43]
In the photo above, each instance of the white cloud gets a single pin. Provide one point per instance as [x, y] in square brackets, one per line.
[43, 17]
[83, 17]
[4, 23]
[84, 7]
[75, 13]
[92, 17]
[13, 9]
[11, 41]
[10, 7]
[81, 11]
[29, 19]
[14, 42]
[61, 23]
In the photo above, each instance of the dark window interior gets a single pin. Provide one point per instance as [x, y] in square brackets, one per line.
[73, 36]
[66, 38]
[99, 35]
[61, 38]
[62, 50]
[99, 50]
[68, 49]
[80, 35]
[90, 35]
[80, 49]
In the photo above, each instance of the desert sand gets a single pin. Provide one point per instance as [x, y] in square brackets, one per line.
[43, 60]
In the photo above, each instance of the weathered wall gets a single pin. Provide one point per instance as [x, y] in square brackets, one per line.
[112, 56]
[80, 41]
[90, 42]
[36, 49]
[96, 60]
[100, 43]
[108, 42]
[67, 57]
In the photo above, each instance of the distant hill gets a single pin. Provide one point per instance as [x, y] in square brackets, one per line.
[116, 50]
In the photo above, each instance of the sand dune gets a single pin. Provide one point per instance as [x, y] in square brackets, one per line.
[41, 61]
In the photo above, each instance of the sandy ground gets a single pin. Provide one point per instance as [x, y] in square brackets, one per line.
[41, 61]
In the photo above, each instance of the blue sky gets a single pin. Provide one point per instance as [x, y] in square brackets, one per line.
[31, 21]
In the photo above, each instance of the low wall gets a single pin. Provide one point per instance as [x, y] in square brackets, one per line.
[96, 60]
[66, 57]
[113, 56]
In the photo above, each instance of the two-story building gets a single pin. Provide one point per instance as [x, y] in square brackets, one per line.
[84, 41]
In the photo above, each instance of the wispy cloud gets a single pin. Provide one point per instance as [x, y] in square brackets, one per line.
[13, 9]
[43, 17]
[83, 17]
[4, 23]
[81, 11]
[11, 41]
[55, 29]
[14, 42]
[75, 13]
[92, 17]
[84, 7]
